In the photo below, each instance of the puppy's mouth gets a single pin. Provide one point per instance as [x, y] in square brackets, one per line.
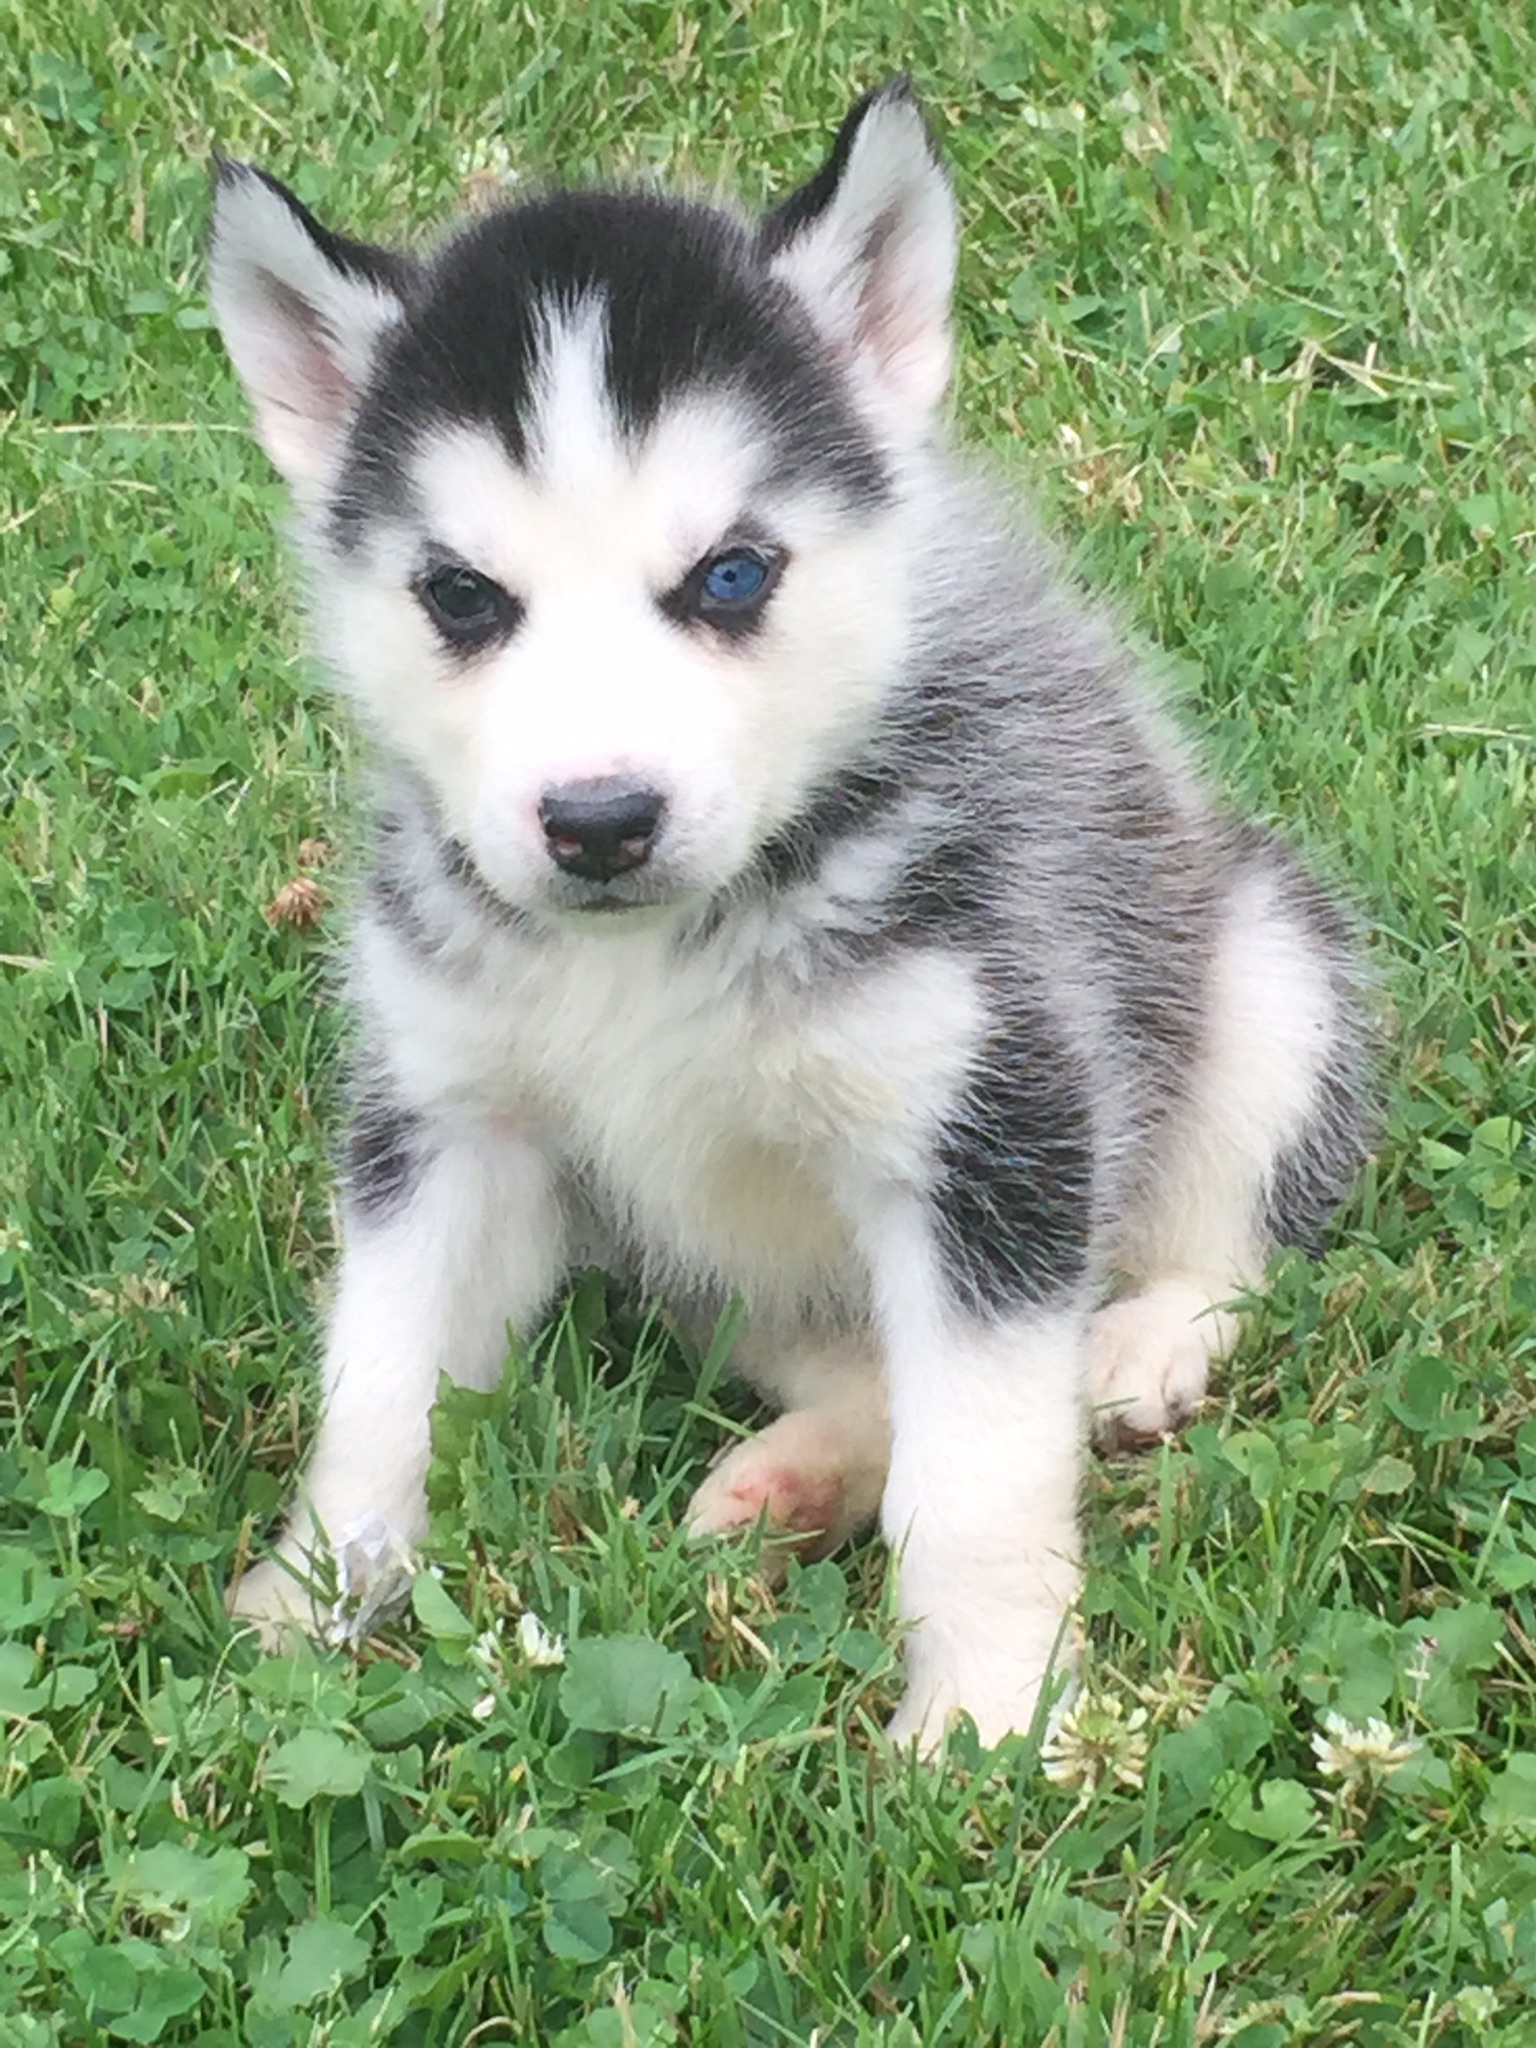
[563, 897]
[569, 900]
[607, 904]
[611, 902]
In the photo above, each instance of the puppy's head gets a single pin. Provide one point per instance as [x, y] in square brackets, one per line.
[601, 501]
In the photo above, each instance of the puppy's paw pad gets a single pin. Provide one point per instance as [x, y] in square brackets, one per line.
[1149, 1362]
[787, 1474]
[788, 1499]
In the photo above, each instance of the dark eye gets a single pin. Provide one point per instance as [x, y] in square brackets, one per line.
[466, 607]
[728, 590]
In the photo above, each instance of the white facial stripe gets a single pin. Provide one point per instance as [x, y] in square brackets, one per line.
[574, 443]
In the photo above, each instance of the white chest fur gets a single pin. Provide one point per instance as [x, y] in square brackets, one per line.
[728, 1119]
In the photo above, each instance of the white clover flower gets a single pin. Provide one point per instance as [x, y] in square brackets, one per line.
[1096, 1739]
[536, 1643]
[485, 1651]
[1359, 1755]
[1476, 2005]
[484, 1707]
[1178, 1693]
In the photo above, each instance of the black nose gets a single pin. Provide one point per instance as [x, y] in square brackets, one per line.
[601, 828]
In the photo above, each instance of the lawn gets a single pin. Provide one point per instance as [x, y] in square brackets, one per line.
[1249, 302]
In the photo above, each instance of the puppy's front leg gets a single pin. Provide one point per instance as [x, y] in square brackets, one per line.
[459, 1238]
[981, 1504]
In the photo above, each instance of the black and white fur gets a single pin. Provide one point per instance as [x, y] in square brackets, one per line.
[940, 1007]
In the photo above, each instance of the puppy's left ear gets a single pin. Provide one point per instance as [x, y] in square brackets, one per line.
[302, 311]
[869, 248]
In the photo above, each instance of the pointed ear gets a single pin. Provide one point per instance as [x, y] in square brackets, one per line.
[869, 247]
[301, 311]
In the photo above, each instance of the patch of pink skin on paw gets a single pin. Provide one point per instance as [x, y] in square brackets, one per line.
[792, 1501]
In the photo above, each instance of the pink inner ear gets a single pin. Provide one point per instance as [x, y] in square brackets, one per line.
[320, 389]
[892, 327]
[880, 320]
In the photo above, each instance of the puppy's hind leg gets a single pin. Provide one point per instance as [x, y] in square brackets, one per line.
[1265, 1142]
[817, 1473]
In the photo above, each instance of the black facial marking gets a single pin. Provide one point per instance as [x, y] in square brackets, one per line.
[689, 306]
[384, 1157]
[1014, 1198]
[856, 801]
[459, 867]
[839, 810]
[395, 904]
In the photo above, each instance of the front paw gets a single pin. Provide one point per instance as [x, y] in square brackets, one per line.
[927, 1715]
[1002, 1696]
[1149, 1361]
[337, 1597]
[276, 1601]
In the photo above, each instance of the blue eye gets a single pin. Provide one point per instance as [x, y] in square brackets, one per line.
[727, 592]
[734, 579]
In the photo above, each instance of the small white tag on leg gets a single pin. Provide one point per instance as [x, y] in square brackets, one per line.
[375, 1565]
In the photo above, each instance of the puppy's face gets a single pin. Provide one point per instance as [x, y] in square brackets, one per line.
[599, 501]
[619, 641]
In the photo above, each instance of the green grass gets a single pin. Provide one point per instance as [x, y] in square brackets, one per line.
[1247, 299]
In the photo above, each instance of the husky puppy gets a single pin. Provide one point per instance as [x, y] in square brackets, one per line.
[783, 883]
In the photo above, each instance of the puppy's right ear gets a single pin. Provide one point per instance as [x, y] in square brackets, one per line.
[301, 311]
[869, 247]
